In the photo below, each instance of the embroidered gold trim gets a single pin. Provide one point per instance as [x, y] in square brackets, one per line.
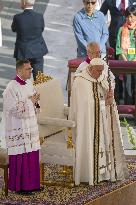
[113, 143]
[96, 133]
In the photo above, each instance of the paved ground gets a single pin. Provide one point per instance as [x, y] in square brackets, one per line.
[58, 15]
[58, 33]
[60, 38]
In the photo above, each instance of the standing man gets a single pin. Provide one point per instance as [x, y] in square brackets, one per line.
[21, 130]
[89, 26]
[30, 44]
[117, 10]
[97, 135]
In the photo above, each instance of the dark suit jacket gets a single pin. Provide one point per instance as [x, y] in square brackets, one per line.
[29, 26]
[117, 19]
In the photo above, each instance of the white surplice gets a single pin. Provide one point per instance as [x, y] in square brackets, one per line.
[99, 151]
[21, 131]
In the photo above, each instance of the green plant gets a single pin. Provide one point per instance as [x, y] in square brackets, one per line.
[131, 135]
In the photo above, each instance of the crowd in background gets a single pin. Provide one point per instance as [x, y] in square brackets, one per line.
[89, 25]
[20, 99]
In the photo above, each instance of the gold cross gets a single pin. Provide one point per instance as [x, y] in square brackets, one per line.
[101, 153]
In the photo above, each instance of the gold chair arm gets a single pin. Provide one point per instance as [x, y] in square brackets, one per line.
[69, 141]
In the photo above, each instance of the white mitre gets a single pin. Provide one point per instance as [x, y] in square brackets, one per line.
[99, 61]
[106, 72]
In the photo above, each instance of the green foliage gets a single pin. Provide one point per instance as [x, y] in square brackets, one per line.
[131, 135]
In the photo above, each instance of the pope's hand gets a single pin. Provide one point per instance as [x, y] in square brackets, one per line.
[109, 98]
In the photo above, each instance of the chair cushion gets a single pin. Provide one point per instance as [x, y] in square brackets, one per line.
[54, 151]
[113, 64]
[3, 157]
[126, 109]
[75, 62]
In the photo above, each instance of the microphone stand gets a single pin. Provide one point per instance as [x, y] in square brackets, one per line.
[111, 120]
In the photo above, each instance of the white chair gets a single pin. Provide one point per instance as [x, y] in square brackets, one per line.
[4, 165]
[53, 126]
[4, 159]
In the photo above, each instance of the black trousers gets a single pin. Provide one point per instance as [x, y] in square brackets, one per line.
[37, 65]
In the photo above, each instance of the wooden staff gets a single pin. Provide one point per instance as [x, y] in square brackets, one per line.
[111, 119]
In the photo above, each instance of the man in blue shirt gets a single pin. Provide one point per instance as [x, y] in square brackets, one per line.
[90, 26]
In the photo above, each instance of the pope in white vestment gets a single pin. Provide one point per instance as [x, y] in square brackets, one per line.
[97, 135]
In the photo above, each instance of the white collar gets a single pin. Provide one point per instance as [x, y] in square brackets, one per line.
[31, 7]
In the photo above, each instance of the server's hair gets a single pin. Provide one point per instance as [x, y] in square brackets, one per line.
[20, 63]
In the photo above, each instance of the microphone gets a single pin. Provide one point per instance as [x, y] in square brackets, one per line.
[110, 53]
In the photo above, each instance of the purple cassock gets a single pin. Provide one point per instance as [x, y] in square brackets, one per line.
[24, 169]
